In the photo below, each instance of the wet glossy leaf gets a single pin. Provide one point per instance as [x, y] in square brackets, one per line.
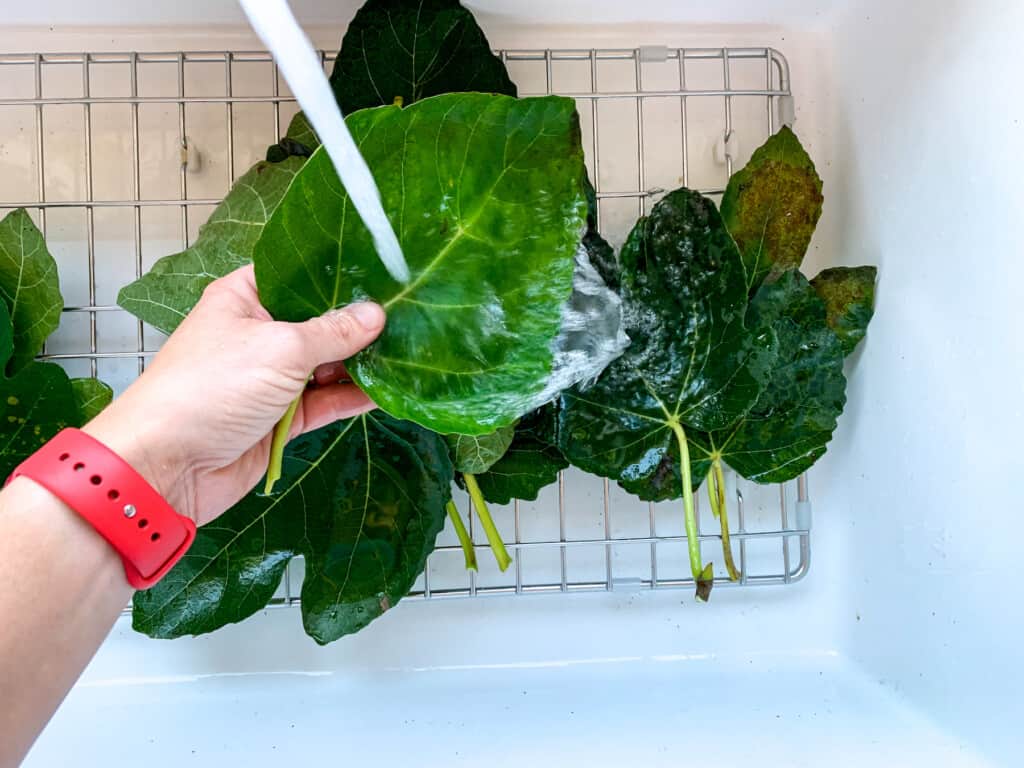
[791, 423]
[485, 196]
[164, 295]
[477, 453]
[362, 500]
[28, 286]
[771, 207]
[692, 361]
[35, 404]
[91, 397]
[849, 296]
[532, 461]
[412, 50]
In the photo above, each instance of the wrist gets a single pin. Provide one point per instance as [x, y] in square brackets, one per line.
[140, 443]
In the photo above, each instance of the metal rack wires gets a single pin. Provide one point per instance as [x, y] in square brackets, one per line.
[120, 158]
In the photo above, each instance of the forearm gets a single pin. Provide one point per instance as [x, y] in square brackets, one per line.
[63, 587]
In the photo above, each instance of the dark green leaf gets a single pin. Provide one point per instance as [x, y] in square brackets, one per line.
[29, 287]
[35, 404]
[362, 500]
[531, 463]
[397, 49]
[792, 421]
[91, 397]
[849, 296]
[477, 453]
[165, 294]
[771, 207]
[485, 196]
[692, 361]
[299, 141]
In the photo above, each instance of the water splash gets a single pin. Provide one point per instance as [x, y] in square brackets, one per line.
[591, 335]
[280, 32]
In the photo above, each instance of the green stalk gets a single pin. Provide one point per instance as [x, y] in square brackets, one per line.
[460, 530]
[277, 444]
[703, 575]
[493, 537]
[716, 494]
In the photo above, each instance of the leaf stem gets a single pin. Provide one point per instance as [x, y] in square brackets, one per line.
[277, 444]
[493, 537]
[703, 575]
[460, 530]
[716, 494]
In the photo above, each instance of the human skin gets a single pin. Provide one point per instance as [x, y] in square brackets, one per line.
[197, 425]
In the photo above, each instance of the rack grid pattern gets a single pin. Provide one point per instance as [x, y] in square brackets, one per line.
[653, 118]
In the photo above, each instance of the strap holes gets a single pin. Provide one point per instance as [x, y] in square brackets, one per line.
[95, 479]
[155, 537]
[143, 523]
[79, 467]
[65, 456]
[112, 494]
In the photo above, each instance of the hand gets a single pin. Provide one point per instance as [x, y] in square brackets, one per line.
[197, 424]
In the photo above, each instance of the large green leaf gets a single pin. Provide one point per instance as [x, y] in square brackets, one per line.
[532, 461]
[28, 286]
[771, 207]
[164, 295]
[413, 49]
[477, 453]
[791, 423]
[485, 196]
[91, 397]
[35, 404]
[849, 296]
[362, 500]
[692, 361]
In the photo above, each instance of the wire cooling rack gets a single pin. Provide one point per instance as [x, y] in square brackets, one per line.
[120, 157]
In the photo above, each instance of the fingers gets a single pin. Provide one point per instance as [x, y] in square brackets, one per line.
[330, 373]
[341, 333]
[324, 405]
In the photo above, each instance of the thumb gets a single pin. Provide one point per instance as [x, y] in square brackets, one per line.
[340, 333]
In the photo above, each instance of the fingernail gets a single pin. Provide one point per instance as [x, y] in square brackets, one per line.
[367, 314]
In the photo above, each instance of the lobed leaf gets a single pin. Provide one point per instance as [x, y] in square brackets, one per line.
[790, 425]
[362, 500]
[484, 193]
[396, 49]
[771, 207]
[692, 361]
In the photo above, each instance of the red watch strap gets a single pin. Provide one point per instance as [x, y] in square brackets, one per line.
[123, 508]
